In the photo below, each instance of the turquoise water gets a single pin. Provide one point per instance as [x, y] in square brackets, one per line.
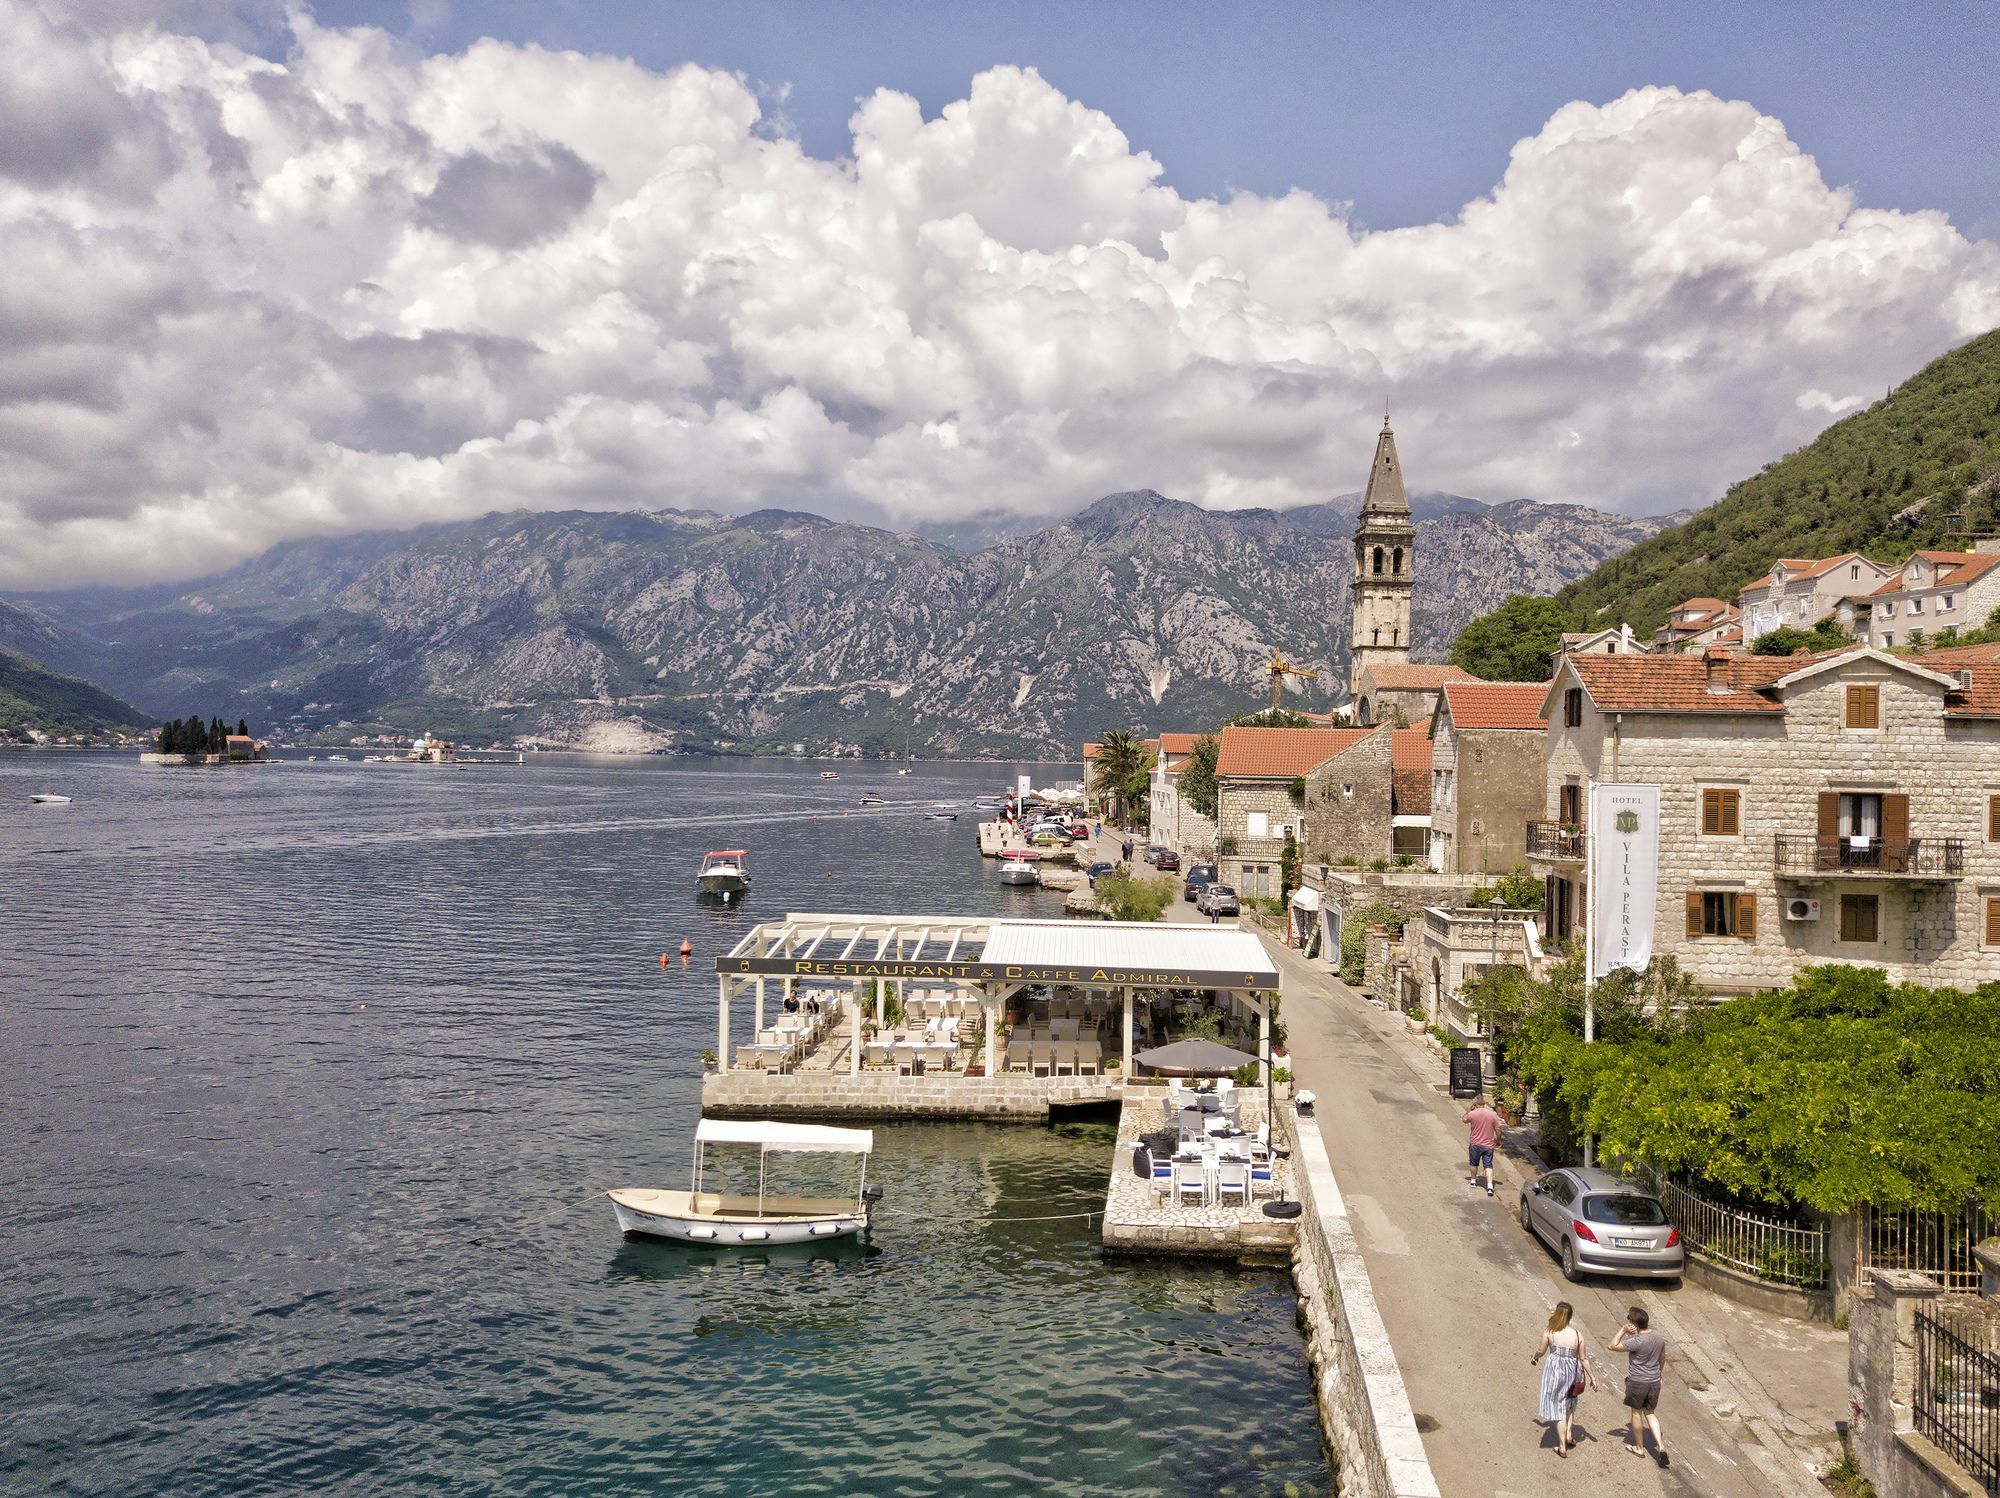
[315, 1075]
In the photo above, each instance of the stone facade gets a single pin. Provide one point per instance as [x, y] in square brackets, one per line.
[1007, 1098]
[1780, 765]
[1881, 1376]
[1172, 822]
[1487, 784]
[1350, 803]
[1935, 591]
[1797, 594]
[1256, 812]
[1449, 948]
[1385, 565]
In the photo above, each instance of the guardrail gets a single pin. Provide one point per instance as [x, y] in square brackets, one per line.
[1938, 1244]
[1556, 839]
[1775, 1250]
[1919, 857]
[1957, 1396]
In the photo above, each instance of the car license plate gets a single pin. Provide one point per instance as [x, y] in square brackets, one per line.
[1630, 1243]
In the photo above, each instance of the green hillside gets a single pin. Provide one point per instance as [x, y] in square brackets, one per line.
[31, 697]
[1881, 482]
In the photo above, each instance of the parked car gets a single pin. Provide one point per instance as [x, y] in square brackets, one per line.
[1219, 899]
[1168, 861]
[1049, 837]
[1198, 878]
[1078, 833]
[1098, 870]
[1599, 1223]
[1152, 853]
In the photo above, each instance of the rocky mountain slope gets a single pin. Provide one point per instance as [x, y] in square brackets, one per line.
[642, 628]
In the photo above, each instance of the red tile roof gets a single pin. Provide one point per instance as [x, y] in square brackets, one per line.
[1275, 752]
[1679, 683]
[1090, 752]
[1954, 568]
[1392, 677]
[1496, 704]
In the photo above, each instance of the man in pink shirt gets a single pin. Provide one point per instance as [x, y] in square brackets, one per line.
[1483, 1125]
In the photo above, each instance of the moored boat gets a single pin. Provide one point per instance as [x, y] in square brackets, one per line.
[1019, 868]
[724, 875]
[49, 798]
[714, 1220]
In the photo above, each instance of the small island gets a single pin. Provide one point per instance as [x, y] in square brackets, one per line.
[189, 741]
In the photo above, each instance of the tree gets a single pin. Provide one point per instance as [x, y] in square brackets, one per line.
[1825, 635]
[243, 728]
[1518, 641]
[1519, 890]
[1272, 717]
[1197, 778]
[1126, 896]
[1124, 766]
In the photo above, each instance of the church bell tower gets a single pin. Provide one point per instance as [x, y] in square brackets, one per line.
[1385, 554]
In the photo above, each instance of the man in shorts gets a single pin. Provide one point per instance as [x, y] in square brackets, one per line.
[1645, 1360]
[1483, 1130]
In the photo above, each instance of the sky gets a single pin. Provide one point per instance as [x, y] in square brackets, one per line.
[368, 263]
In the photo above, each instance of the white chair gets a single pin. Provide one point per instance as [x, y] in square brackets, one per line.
[1232, 1181]
[1263, 1175]
[1163, 1174]
[1190, 1182]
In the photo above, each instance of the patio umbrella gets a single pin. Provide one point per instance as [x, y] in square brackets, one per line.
[1195, 1058]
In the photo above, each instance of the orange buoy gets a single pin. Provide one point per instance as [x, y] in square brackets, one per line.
[663, 959]
[687, 947]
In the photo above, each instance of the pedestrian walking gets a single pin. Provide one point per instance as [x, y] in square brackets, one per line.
[1565, 1375]
[1482, 1132]
[1125, 850]
[1645, 1361]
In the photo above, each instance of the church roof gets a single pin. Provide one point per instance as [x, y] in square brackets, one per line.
[1384, 494]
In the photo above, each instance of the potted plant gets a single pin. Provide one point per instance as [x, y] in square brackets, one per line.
[709, 1061]
[1281, 1083]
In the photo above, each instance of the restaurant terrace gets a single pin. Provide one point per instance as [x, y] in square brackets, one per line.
[1052, 1010]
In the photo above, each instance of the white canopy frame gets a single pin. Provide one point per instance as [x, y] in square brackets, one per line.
[781, 1138]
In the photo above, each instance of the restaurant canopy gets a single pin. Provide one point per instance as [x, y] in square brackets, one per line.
[816, 1139]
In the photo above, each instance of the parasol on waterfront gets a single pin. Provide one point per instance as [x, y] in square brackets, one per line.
[1195, 1058]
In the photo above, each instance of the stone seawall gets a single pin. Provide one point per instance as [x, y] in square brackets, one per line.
[1016, 1099]
[1364, 1407]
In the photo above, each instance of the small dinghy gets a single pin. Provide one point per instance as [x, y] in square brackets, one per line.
[48, 798]
[712, 1220]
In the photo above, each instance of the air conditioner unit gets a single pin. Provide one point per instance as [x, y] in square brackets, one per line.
[1801, 910]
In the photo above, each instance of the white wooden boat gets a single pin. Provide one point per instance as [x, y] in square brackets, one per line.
[724, 875]
[49, 799]
[829, 775]
[714, 1220]
[1019, 868]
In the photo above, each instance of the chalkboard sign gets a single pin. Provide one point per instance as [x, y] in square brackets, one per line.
[1465, 1071]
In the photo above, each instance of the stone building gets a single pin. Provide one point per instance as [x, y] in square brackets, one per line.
[1257, 772]
[1798, 592]
[1843, 807]
[1606, 641]
[1932, 592]
[1487, 740]
[1174, 824]
[1385, 556]
[1400, 691]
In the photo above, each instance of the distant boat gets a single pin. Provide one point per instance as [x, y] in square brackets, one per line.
[990, 803]
[710, 1219]
[873, 801]
[828, 775]
[341, 758]
[312, 758]
[904, 771]
[49, 799]
[1019, 868]
[942, 816]
[724, 875]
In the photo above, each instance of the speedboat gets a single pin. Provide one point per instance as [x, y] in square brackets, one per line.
[724, 875]
[1019, 868]
[939, 814]
[718, 1221]
[829, 775]
[990, 803]
[904, 771]
[873, 801]
[49, 799]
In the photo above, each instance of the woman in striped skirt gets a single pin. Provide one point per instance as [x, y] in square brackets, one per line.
[1568, 1362]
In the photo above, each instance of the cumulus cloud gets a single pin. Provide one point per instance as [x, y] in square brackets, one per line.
[356, 286]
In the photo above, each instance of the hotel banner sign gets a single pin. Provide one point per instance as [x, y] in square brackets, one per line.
[1073, 975]
[1624, 875]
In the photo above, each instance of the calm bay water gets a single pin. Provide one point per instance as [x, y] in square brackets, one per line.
[313, 1076]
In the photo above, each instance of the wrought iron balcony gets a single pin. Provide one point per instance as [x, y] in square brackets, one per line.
[1561, 841]
[1916, 858]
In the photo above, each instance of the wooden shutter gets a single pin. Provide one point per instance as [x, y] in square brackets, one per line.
[1711, 813]
[1829, 816]
[1993, 921]
[1993, 819]
[1694, 912]
[1746, 916]
[1729, 813]
[1864, 707]
[1896, 821]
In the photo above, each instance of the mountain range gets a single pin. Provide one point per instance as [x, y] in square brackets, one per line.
[647, 628]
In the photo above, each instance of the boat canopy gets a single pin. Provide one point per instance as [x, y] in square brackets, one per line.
[729, 853]
[798, 1138]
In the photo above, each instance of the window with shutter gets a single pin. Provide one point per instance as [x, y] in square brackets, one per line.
[1993, 819]
[1860, 918]
[1864, 707]
[1573, 707]
[1721, 812]
[1746, 916]
[1993, 920]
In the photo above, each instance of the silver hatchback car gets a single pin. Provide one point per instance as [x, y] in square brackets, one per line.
[1600, 1224]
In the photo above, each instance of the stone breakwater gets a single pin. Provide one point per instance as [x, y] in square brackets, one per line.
[1010, 1098]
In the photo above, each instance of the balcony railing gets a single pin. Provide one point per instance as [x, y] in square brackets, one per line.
[1556, 840]
[1918, 858]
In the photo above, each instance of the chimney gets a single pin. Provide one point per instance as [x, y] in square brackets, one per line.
[1965, 678]
[1716, 660]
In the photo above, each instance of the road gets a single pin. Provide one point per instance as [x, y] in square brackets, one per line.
[1750, 1400]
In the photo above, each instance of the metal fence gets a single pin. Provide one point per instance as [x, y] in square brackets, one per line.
[1938, 1244]
[1957, 1397]
[1781, 1251]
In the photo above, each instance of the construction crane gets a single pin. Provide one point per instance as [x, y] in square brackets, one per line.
[1280, 668]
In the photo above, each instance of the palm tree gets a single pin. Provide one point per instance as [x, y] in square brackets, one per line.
[1123, 767]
